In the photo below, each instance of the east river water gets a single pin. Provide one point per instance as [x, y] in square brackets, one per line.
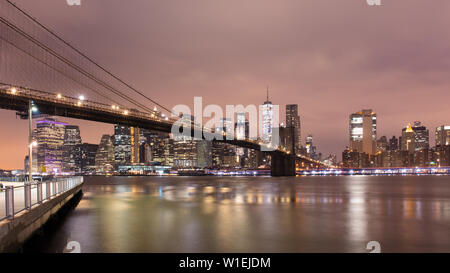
[256, 214]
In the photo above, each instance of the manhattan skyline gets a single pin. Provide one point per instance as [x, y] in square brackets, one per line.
[235, 50]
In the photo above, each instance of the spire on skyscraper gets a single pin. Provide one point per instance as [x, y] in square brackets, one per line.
[267, 96]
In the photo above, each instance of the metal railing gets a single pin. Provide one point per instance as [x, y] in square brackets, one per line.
[15, 199]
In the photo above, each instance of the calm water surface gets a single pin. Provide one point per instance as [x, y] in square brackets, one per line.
[258, 214]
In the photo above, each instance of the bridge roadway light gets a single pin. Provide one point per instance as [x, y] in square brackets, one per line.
[34, 108]
[59, 96]
[125, 112]
[79, 103]
[13, 90]
[81, 97]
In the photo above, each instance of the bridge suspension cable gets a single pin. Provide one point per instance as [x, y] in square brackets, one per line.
[75, 66]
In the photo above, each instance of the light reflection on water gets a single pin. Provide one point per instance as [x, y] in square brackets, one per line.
[259, 214]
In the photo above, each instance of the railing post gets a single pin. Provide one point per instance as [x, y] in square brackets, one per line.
[54, 188]
[9, 200]
[39, 192]
[27, 195]
[47, 189]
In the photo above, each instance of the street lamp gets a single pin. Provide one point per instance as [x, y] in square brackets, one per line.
[13, 90]
[31, 108]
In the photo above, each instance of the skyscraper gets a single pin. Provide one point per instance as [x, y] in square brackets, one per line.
[308, 144]
[267, 120]
[240, 126]
[122, 145]
[393, 144]
[421, 137]
[104, 158]
[242, 131]
[311, 150]
[224, 125]
[408, 140]
[49, 135]
[382, 144]
[135, 144]
[185, 153]
[293, 121]
[442, 135]
[71, 155]
[363, 131]
[88, 152]
[161, 147]
[223, 154]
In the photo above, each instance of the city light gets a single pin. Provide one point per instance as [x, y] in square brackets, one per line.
[33, 144]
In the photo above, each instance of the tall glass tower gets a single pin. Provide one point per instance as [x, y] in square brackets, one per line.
[267, 120]
[293, 121]
[49, 134]
[71, 154]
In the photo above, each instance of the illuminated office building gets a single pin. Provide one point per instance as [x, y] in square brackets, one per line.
[421, 136]
[135, 137]
[442, 135]
[415, 138]
[408, 140]
[160, 146]
[88, 153]
[104, 158]
[122, 145]
[241, 126]
[363, 131]
[293, 121]
[49, 135]
[71, 154]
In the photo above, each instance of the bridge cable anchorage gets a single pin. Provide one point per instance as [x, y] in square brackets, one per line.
[89, 59]
[71, 64]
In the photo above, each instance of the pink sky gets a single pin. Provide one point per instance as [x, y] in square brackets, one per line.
[330, 57]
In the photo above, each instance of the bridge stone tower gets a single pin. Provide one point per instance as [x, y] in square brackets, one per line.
[282, 164]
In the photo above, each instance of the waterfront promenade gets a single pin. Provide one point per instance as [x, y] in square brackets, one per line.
[24, 208]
